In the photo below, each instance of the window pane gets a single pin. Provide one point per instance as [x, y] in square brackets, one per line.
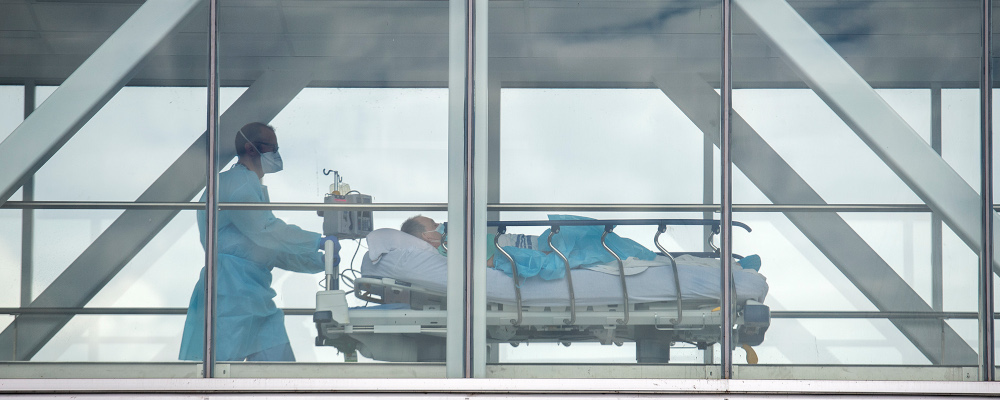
[879, 112]
[590, 105]
[121, 95]
[355, 91]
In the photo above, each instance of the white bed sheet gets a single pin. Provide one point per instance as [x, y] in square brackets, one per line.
[419, 264]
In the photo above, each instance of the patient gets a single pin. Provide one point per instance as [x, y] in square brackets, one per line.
[425, 229]
[434, 234]
[580, 244]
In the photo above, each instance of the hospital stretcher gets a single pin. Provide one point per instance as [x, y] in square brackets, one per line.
[405, 277]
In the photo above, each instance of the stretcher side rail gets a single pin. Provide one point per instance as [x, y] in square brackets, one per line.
[382, 290]
[609, 225]
[700, 312]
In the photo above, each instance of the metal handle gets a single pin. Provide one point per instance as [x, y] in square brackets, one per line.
[569, 278]
[677, 280]
[621, 272]
[711, 243]
[513, 268]
[331, 270]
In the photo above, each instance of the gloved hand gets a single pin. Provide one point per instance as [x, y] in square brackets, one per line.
[331, 238]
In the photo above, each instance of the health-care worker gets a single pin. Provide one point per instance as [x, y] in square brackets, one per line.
[250, 244]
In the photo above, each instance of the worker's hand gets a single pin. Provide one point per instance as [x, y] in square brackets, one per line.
[331, 238]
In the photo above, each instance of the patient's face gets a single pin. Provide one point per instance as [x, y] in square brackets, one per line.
[429, 235]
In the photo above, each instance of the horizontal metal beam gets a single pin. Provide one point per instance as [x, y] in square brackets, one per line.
[309, 312]
[128, 205]
[505, 388]
[876, 314]
[541, 207]
[123, 311]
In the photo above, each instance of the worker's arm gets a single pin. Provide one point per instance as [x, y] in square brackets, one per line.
[307, 263]
[266, 230]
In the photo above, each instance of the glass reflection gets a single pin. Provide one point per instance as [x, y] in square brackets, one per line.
[878, 96]
[356, 96]
[121, 99]
[589, 111]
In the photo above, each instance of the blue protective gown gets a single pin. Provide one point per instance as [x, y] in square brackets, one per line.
[250, 245]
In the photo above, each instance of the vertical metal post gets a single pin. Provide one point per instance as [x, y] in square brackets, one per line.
[469, 181]
[708, 197]
[987, 370]
[456, 356]
[212, 188]
[28, 214]
[493, 147]
[707, 190]
[937, 225]
[937, 257]
[480, 168]
[725, 192]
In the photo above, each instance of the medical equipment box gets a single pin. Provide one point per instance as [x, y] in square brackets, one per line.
[347, 224]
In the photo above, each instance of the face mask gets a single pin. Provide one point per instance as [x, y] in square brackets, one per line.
[269, 162]
[442, 229]
[441, 232]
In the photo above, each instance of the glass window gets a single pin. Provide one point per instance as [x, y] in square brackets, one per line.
[871, 125]
[355, 97]
[585, 109]
[11, 114]
[855, 152]
[121, 98]
[993, 86]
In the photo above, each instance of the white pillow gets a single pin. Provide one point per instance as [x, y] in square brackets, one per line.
[384, 240]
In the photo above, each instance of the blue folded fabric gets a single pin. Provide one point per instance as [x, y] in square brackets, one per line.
[751, 262]
[580, 244]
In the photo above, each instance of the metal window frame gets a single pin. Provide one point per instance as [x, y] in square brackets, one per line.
[987, 335]
[211, 191]
[468, 204]
[503, 388]
[726, 194]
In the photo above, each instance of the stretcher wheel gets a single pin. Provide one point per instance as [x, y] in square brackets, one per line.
[321, 317]
[757, 315]
[430, 349]
[752, 336]
[652, 351]
[652, 346]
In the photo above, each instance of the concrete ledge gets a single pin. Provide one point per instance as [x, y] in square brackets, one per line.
[181, 379]
[498, 387]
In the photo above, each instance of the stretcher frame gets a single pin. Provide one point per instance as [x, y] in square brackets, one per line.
[417, 333]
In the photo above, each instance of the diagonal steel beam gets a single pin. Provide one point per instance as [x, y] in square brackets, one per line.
[116, 246]
[86, 91]
[871, 118]
[828, 231]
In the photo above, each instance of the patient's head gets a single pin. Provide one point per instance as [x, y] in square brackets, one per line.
[423, 228]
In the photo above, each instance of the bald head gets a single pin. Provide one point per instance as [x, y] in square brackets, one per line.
[254, 134]
[423, 228]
